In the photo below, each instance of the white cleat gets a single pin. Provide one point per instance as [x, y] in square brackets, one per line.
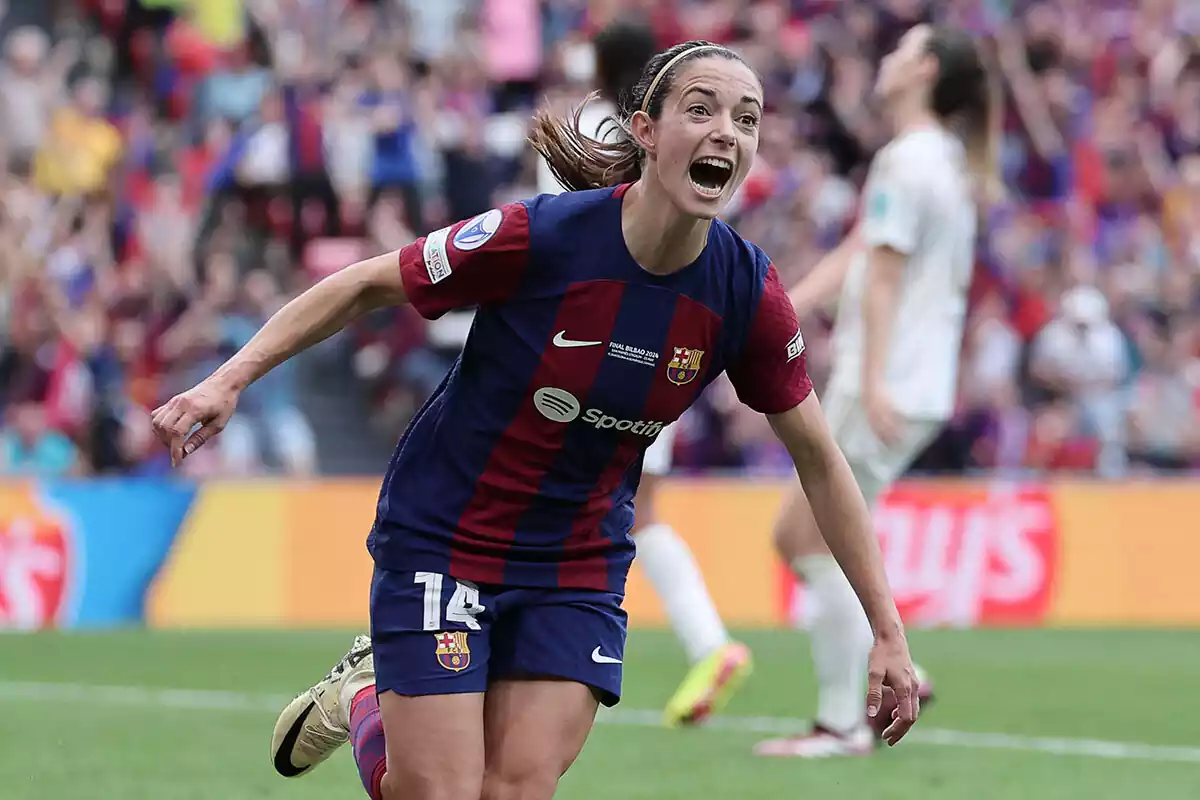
[318, 721]
[820, 743]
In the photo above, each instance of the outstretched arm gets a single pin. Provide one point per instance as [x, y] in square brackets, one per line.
[839, 509]
[476, 262]
[323, 310]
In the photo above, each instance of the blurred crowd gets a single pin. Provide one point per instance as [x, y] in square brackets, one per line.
[176, 169]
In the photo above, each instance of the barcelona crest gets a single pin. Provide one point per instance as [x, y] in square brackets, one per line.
[684, 365]
[452, 651]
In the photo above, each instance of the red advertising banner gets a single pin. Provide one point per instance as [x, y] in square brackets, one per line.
[962, 555]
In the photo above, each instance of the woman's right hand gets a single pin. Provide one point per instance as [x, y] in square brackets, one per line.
[210, 404]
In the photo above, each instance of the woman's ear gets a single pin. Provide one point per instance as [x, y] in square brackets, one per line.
[643, 128]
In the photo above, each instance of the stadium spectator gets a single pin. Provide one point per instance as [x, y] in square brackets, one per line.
[30, 448]
[79, 147]
[1079, 360]
[145, 139]
[1164, 415]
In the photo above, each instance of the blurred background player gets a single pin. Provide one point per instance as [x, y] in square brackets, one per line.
[718, 664]
[903, 275]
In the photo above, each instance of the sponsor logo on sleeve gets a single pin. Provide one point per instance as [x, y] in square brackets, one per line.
[437, 261]
[795, 347]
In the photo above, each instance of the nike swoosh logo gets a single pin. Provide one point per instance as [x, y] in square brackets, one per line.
[283, 756]
[561, 340]
[603, 659]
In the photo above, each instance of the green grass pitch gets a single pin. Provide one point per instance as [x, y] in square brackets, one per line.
[1021, 715]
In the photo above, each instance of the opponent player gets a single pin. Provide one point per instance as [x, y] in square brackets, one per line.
[501, 538]
[903, 275]
[718, 664]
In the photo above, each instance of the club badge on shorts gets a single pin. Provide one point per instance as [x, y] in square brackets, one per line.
[452, 651]
[684, 365]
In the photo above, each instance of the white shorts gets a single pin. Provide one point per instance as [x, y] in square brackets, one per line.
[657, 460]
[875, 465]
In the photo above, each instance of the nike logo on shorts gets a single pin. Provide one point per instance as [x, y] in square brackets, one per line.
[603, 659]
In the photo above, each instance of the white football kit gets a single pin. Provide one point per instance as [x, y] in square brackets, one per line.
[918, 200]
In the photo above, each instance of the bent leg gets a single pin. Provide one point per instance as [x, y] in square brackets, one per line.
[431, 638]
[534, 730]
[435, 747]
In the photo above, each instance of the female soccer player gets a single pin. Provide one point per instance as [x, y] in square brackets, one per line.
[501, 538]
[718, 664]
[903, 275]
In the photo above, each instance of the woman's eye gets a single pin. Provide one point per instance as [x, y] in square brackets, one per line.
[698, 109]
[749, 120]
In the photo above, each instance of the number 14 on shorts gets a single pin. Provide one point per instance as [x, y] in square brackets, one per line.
[464, 605]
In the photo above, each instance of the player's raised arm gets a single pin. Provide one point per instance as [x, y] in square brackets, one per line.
[475, 262]
[770, 376]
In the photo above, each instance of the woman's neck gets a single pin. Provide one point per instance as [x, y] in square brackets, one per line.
[660, 239]
[908, 114]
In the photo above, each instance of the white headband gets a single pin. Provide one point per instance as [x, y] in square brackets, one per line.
[667, 68]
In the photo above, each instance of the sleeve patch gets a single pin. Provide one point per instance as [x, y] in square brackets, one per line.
[437, 261]
[877, 206]
[476, 232]
[795, 347]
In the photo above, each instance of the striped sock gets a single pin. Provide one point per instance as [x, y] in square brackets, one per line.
[366, 734]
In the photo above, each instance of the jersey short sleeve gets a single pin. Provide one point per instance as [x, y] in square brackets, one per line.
[891, 212]
[770, 374]
[476, 262]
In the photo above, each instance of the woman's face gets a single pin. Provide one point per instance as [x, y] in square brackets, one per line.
[910, 63]
[702, 146]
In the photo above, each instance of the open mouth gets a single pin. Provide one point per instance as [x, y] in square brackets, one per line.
[710, 174]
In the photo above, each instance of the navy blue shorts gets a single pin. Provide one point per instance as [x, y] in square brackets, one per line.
[435, 635]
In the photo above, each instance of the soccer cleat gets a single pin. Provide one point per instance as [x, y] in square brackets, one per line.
[318, 721]
[821, 742]
[709, 685]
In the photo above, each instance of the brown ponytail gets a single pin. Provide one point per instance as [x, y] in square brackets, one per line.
[967, 97]
[981, 135]
[580, 161]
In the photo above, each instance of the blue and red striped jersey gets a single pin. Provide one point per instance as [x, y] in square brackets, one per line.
[521, 469]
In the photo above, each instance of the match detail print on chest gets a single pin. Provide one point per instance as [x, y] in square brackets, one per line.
[644, 360]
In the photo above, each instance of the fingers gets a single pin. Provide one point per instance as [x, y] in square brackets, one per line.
[890, 433]
[908, 707]
[176, 446]
[896, 731]
[165, 419]
[906, 701]
[875, 677]
[885, 425]
[197, 439]
[173, 421]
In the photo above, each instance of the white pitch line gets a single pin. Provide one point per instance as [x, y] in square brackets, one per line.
[215, 700]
